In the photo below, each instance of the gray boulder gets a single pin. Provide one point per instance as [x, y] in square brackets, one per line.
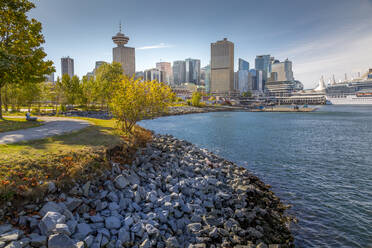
[60, 241]
[50, 207]
[121, 182]
[49, 221]
[37, 240]
[112, 222]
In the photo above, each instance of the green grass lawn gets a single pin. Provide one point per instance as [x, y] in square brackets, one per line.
[24, 167]
[11, 124]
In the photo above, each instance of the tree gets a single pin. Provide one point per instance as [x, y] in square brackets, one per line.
[71, 89]
[133, 100]
[107, 75]
[195, 99]
[247, 94]
[21, 54]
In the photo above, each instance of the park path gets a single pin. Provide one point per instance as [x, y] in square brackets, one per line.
[52, 126]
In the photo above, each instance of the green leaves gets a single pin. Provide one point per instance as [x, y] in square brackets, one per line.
[21, 54]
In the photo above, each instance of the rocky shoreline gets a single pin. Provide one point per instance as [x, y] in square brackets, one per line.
[172, 195]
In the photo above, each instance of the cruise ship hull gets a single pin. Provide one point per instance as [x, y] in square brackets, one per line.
[349, 100]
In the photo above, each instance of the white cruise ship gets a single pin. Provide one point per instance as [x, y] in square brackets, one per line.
[356, 92]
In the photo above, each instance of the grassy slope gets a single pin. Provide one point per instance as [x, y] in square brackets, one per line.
[11, 124]
[79, 155]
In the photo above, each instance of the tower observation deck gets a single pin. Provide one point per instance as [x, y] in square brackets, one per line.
[120, 39]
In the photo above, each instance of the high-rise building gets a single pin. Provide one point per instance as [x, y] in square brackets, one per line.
[193, 71]
[179, 72]
[67, 66]
[207, 77]
[242, 76]
[256, 81]
[263, 63]
[50, 78]
[282, 70]
[154, 74]
[124, 55]
[243, 65]
[167, 68]
[222, 66]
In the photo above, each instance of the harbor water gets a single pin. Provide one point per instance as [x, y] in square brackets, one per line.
[318, 162]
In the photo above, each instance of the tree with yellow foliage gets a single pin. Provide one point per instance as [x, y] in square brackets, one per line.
[133, 100]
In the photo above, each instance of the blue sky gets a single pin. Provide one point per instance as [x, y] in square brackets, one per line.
[321, 37]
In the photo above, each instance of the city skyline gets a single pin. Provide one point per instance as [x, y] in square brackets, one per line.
[328, 40]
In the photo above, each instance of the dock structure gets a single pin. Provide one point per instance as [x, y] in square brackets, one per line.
[283, 109]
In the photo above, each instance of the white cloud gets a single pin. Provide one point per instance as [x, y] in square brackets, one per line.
[345, 51]
[160, 45]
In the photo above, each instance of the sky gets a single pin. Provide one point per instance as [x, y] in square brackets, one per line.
[320, 37]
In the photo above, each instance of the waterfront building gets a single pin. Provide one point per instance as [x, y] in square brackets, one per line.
[154, 74]
[167, 68]
[222, 67]
[283, 70]
[124, 55]
[67, 66]
[283, 88]
[243, 65]
[179, 72]
[193, 71]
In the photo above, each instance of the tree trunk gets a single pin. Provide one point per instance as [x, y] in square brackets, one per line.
[6, 103]
[1, 105]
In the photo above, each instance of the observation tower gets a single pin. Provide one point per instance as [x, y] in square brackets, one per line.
[124, 55]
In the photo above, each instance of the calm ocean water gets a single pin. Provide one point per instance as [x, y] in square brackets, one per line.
[320, 163]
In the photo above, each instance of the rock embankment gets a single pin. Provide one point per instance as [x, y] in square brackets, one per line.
[173, 195]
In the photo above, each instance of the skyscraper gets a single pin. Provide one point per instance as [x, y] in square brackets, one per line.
[242, 80]
[283, 70]
[222, 66]
[124, 55]
[193, 71]
[207, 78]
[243, 65]
[167, 68]
[263, 63]
[179, 72]
[67, 66]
